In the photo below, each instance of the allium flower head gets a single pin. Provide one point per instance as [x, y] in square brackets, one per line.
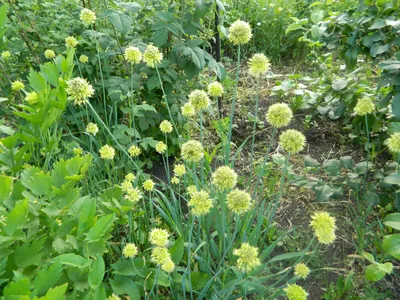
[113, 297]
[126, 185]
[130, 177]
[248, 257]
[191, 189]
[148, 185]
[394, 142]
[130, 250]
[192, 151]
[107, 152]
[92, 129]
[160, 255]
[168, 266]
[77, 151]
[224, 178]
[175, 180]
[161, 147]
[6, 55]
[324, 227]
[83, 59]
[79, 90]
[199, 100]
[17, 86]
[133, 194]
[49, 54]
[200, 203]
[295, 292]
[158, 237]
[152, 56]
[188, 110]
[239, 32]
[301, 270]
[71, 42]
[258, 64]
[134, 151]
[279, 115]
[87, 17]
[133, 55]
[215, 89]
[292, 141]
[166, 126]
[179, 170]
[238, 201]
[31, 98]
[364, 106]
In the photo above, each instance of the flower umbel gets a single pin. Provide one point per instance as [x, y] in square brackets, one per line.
[394, 142]
[6, 55]
[148, 185]
[224, 178]
[158, 237]
[166, 126]
[179, 170]
[199, 100]
[215, 89]
[113, 297]
[87, 17]
[258, 64]
[71, 42]
[83, 59]
[92, 129]
[238, 201]
[292, 141]
[239, 32]
[107, 152]
[134, 151]
[175, 180]
[132, 194]
[324, 227]
[152, 56]
[31, 98]
[200, 203]
[133, 55]
[17, 86]
[49, 54]
[161, 147]
[295, 292]
[79, 90]
[130, 250]
[192, 151]
[248, 257]
[188, 110]
[279, 115]
[301, 270]
[364, 106]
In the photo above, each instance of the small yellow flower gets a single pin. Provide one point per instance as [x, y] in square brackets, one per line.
[192, 151]
[239, 32]
[179, 170]
[258, 64]
[168, 266]
[130, 250]
[238, 201]
[126, 185]
[215, 89]
[71, 42]
[160, 255]
[161, 147]
[166, 126]
[107, 152]
[87, 17]
[295, 292]
[130, 177]
[200, 203]
[49, 54]
[92, 129]
[6, 55]
[83, 59]
[364, 106]
[133, 194]
[31, 98]
[152, 56]
[133, 55]
[191, 189]
[77, 151]
[248, 257]
[394, 142]
[175, 180]
[279, 115]
[148, 185]
[158, 237]
[17, 86]
[324, 227]
[199, 100]
[292, 141]
[188, 110]
[113, 297]
[134, 151]
[301, 270]
[79, 90]
[224, 178]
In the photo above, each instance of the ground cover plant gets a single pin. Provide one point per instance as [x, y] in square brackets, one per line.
[136, 163]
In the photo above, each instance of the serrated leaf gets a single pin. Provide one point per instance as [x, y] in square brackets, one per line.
[96, 273]
[56, 293]
[101, 228]
[47, 277]
[72, 260]
[6, 184]
[121, 21]
[16, 218]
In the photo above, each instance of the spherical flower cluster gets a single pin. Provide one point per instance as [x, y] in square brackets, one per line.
[394, 142]
[192, 151]
[31, 98]
[248, 257]
[79, 90]
[87, 17]
[191, 189]
[77, 151]
[107, 152]
[126, 185]
[175, 180]
[168, 266]
[324, 227]
[301, 270]
[134, 151]
[130, 177]
[49, 54]
[83, 59]
[179, 170]
[130, 250]
[364, 106]
[188, 110]
[148, 185]
[113, 297]
[161, 147]
[239, 32]
[215, 89]
[6, 55]
[279, 115]
[200, 203]
[162, 257]
[158, 237]
[92, 129]
[224, 178]
[199, 100]
[295, 292]
[166, 126]
[133, 55]
[132, 194]
[152, 56]
[258, 65]
[238, 201]
[71, 42]
[292, 141]
[17, 86]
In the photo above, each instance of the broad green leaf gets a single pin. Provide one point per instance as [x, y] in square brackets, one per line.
[339, 84]
[56, 293]
[3, 15]
[29, 253]
[293, 27]
[17, 217]
[332, 167]
[20, 287]
[373, 273]
[6, 187]
[123, 285]
[37, 181]
[369, 257]
[36, 80]
[350, 57]
[393, 179]
[101, 228]
[47, 277]
[323, 192]
[121, 21]
[391, 245]
[378, 24]
[72, 260]
[287, 256]
[317, 16]
[392, 220]
[96, 273]
[177, 250]
[396, 106]
[199, 280]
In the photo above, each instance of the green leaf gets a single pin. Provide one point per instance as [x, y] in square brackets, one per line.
[396, 106]
[20, 287]
[123, 285]
[332, 167]
[199, 280]
[347, 162]
[293, 27]
[340, 84]
[323, 192]
[160, 36]
[101, 228]
[378, 24]
[47, 277]
[391, 245]
[373, 273]
[369, 257]
[6, 184]
[121, 21]
[177, 250]
[96, 273]
[37, 82]
[350, 57]
[287, 256]
[72, 260]
[377, 49]
[37, 181]
[29, 253]
[392, 220]
[3, 15]
[56, 293]
[17, 217]
[392, 179]
[317, 16]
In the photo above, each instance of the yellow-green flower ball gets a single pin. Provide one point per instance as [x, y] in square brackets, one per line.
[168, 266]
[6, 55]
[239, 32]
[161, 147]
[87, 17]
[158, 237]
[31, 98]
[248, 257]
[77, 151]
[160, 255]
[134, 151]
[188, 110]
[179, 170]
[199, 100]
[394, 142]
[148, 185]
[49, 54]
[175, 180]
[71, 42]
[258, 64]
[17, 86]
[324, 227]
[292, 141]
[130, 250]
[166, 126]
[279, 115]
[152, 56]
[192, 151]
[92, 129]
[132, 194]
[133, 55]
[301, 270]
[364, 106]
[238, 201]
[224, 178]
[79, 90]
[215, 89]
[83, 59]
[107, 152]
[200, 203]
[295, 292]
[113, 297]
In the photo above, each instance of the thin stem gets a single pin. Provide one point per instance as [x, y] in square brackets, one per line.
[254, 129]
